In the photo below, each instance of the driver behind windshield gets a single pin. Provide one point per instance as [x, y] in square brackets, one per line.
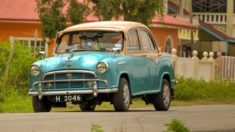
[90, 40]
[90, 44]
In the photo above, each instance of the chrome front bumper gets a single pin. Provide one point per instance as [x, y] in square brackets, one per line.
[49, 93]
[94, 89]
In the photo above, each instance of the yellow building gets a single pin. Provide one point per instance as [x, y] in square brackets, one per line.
[217, 23]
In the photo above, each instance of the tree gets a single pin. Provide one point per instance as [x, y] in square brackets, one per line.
[107, 9]
[132, 10]
[77, 11]
[141, 10]
[51, 17]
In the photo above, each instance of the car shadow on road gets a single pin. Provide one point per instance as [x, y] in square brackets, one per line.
[113, 111]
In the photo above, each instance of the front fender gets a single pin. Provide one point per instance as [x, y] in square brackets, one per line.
[118, 65]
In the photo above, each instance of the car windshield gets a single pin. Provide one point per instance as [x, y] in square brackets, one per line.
[90, 41]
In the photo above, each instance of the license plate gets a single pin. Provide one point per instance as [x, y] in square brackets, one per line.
[67, 98]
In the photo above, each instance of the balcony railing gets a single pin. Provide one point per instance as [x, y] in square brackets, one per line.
[213, 18]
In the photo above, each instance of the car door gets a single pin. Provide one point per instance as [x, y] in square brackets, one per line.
[139, 69]
[151, 53]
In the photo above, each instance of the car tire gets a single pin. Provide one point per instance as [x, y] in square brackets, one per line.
[162, 100]
[87, 106]
[122, 99]
[42, 105]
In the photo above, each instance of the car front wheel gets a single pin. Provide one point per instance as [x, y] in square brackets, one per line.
[122, 99]
[162, 100]
[41, 105]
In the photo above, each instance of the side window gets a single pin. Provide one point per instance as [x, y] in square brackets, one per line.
[146, 41]
[133, 44]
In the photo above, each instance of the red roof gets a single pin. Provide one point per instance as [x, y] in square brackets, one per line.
[172, 21]
[217, 32]
[18, 10]
[25, 10]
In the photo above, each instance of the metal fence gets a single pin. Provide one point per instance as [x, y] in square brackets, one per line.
[228, 68]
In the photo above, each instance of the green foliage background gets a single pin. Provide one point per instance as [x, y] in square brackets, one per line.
[77, 11]
[51, 16]
[19, 67]
[218, 91]
[131, 10]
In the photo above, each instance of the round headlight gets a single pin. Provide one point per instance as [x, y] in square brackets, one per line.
[35, 70]
[102, 67]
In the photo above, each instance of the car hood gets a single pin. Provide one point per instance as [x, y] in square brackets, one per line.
[77, 60]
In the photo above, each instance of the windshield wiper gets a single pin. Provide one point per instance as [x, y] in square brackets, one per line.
[78, 50]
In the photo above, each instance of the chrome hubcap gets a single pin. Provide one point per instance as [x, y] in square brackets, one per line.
[126, 95]
[166, 95]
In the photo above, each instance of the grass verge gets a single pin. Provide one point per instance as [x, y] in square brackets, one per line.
[188, 92]
[16, 101]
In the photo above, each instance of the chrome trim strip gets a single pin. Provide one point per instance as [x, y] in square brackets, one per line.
[121, 62]
[113, 90]
[69, 71]
[68, 80]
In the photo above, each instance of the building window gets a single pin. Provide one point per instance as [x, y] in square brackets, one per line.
[212, 6]
[169, 44]
[35, 45]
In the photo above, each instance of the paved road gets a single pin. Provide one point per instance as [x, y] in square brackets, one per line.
[197, 118]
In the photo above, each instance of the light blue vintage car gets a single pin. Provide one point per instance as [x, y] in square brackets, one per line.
[103, 61]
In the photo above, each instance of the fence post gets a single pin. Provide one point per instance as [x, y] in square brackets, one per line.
[218, 66]
[212, 61]
[205, 55]
[12, 50]
[3, 86]
[196, 63]
[204, 68]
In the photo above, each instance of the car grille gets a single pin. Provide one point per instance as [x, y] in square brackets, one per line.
[68, 79]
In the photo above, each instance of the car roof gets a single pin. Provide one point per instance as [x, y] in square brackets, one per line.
[105, 25]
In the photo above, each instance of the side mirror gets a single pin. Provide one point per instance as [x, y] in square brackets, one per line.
[42, 54]
[117, 47]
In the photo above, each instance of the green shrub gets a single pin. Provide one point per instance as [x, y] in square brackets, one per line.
[188, 90]
[16, 101]
[96, 128]
[176, 126]
[4, 52]
[18, 68]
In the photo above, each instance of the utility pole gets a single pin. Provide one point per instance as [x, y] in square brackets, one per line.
[229, 23]
[181, 8]
[191, 21]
